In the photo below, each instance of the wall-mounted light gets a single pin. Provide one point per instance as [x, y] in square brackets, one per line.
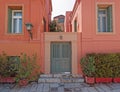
[29, 27]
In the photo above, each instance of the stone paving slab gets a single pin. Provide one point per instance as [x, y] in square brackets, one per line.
[63, 87]
[114, 86]
[116, 90]
[33, 87]
[99, 89]
[105, 88]
[91, 89]
[40, 88]
[46, 88]
[84, 89]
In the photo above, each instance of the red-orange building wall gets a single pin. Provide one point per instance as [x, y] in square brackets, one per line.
[67, 23]
[14, 44]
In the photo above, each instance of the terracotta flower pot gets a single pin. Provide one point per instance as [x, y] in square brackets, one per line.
[7, 80]
[90, 80]
[103, 80]
[10, 79]
[0, 78]
[3, 80]
[23, 82]
[116, 80]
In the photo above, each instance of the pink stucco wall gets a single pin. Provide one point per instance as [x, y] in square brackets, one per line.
[89, 40]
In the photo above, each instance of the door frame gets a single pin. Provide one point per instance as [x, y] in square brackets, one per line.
[56, 37]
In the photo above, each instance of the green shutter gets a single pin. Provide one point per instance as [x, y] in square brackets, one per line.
[109, 19]
[9, 20]
[98, 29]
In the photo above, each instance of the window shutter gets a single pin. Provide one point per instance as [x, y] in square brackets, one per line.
[109, 19]
[98, 19]
[9, 20]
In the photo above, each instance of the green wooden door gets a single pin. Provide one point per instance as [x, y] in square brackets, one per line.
[60, 57]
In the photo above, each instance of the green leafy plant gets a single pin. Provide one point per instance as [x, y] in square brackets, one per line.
[116, 66]
[101, 65]
[104, 65]
[27, 68]
[7, 67]
[54, 27]
[88, 66]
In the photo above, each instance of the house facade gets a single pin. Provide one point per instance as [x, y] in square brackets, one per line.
[59, 22]
[92, 27]
[14, 37]
[97, 25]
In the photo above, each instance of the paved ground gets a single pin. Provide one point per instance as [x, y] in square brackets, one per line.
[60, 87]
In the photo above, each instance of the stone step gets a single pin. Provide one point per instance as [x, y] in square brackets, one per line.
[60, 75]
[48, 80]
[60, 78]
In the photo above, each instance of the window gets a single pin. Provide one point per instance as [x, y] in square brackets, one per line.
[61, 20]
[14, 21]
[75, 26]
[44, 22]
[14, 59]
[105, 19]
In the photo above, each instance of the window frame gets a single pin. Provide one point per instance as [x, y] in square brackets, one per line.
[61, 20]
[9, 29]
[105, 4]
[18, 18]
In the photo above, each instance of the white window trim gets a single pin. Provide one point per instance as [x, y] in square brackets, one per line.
[16, 17]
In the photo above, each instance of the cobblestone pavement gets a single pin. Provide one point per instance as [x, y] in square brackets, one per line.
[60, 87]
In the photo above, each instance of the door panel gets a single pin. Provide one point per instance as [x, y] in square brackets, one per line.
[60, 57]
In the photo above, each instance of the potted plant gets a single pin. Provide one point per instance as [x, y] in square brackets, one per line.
[1, 68]
[6, 69]
[116, 69]
[88, 67]
[104, 72]
[3, 65]
[116, 80]
[27, 69]
[116, 73]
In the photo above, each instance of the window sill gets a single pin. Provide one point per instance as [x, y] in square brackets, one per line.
[105, 33]
[14, 34]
